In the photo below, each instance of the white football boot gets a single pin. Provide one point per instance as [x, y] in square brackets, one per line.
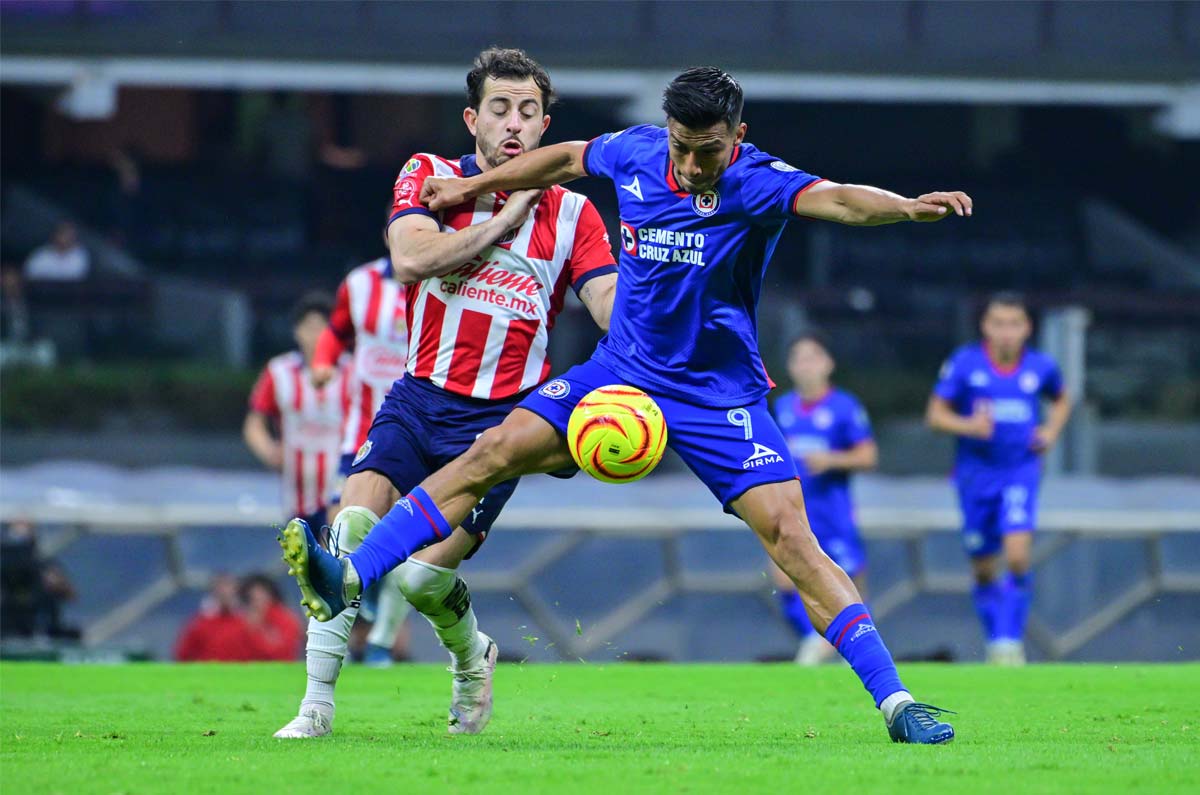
[311, 722]
[471, 702]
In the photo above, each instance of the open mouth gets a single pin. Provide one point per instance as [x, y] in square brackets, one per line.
[512, 148]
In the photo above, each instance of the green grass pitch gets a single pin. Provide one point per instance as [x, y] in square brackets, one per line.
[587, 728]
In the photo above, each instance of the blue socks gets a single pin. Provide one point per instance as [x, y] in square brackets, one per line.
[988, 601]
[412, 524]
[853, 634]
[793, 610]
[1014, 606]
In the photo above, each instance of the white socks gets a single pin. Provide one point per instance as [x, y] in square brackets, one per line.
[894, 703]
[326, 647]
[442, 597]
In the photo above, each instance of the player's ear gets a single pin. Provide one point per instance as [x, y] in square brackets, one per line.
[470, 117]
[545, 123]
[740, 135]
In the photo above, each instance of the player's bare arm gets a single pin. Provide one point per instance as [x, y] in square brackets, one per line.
[1046, 434]
[941, 416]
[256, 432]
[861, 457]
[597, 295]
[863, 205]
[540, 168]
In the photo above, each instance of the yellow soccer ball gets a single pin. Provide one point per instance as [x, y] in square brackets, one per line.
[617, 434]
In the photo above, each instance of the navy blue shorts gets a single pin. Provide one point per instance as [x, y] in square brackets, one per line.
[730, 450]
[419, 429]
[996, 503]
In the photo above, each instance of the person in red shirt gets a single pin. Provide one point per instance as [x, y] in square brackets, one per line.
[274, 632]
[240, 624]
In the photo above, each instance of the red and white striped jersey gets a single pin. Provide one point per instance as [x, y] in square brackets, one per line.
[481, 330]
[310, 424]
[370, 314]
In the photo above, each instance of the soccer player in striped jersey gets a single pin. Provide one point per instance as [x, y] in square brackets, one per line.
[990, 395]
[701, 213]
[370, 318]
[295, 426]
[486, 279]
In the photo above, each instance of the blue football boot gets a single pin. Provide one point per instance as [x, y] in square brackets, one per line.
[320, 575]
[918, 723]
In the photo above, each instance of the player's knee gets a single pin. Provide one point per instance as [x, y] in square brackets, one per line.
[370, 490]
[424, 586]
[491, 459]
[795, 542]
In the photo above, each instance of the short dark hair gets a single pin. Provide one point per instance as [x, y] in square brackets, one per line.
[1009, 298]
[501, 63]
[815, 336]
[250, 581]
[702, 96]
[317, 301]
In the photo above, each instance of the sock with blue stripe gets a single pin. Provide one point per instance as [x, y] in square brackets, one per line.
[1014, 606]
[412, 524]
[988, 600]
[793, 611]
[854, 635]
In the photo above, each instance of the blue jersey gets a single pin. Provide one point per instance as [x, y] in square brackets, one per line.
[835, 423]
[970, 379]
[691, 267]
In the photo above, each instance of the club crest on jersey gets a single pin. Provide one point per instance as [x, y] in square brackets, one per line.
[705, 204]
[762, 456]
[628, 239]
[362, 453]
[779, 165]
[823, 418]
[1028, 382]
[556, 389]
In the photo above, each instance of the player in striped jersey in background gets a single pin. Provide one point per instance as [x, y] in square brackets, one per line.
[295, 426]
[485, 281]
[370, 318]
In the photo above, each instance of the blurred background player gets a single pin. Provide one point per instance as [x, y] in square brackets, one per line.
[295, 426]
[829, 434]
[989, 395]
[370, 318]
[482, 302]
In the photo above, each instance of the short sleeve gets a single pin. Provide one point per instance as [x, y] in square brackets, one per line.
[949, 384]
[262, 397]
[591, 254]
[605, 154]
[340, 321]
[856, 425]
[1052, 381]
[770, 188]
[406, 192]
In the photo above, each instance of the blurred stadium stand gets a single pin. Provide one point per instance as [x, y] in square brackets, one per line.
[223, 157]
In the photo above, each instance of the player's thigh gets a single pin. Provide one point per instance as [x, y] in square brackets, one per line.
[524, 444]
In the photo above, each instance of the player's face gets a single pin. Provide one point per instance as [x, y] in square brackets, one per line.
[510, 119]
[307, 331]
[1006, 329]
[700, 156]
[810, 366]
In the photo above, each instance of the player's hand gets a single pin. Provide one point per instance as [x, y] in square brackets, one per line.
[520, 203]
[979, 425]
[818, 463]
[438, 193]
[940, 204]
[322, 374]
[1043, 438]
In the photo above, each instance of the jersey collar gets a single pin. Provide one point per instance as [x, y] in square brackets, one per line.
[1000, 369]
[807, 406]
[468, 166]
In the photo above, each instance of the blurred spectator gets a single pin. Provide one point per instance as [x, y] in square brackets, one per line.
[32, 589]
[63, 259]
[240, 623]
[14, 314]
[276, 632]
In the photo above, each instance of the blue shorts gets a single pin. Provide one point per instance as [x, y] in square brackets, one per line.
[838, 538]
[730, 450]
[996, 503]
[419, 429]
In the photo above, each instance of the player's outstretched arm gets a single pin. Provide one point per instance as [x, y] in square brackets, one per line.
[420, 250]
[540, 168]
[863, 205]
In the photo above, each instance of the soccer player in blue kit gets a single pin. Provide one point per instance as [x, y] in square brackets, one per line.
[989, 395]
[701, 212]
[829, 436]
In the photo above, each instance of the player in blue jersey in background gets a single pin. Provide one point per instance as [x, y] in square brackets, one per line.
[701, 212]
[989, 395]
[829, 436]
